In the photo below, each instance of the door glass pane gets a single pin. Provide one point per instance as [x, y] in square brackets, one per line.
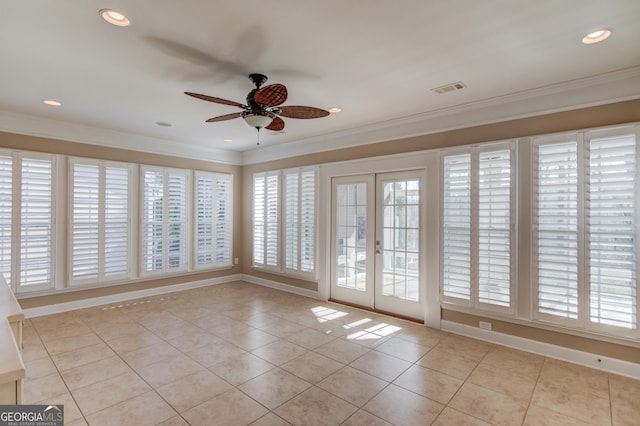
[351, 235]
[400, 239]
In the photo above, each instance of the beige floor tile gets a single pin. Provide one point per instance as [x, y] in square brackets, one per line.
[539, 416]
[312, 367]
[451, 417]
[229, 327]
[142, 410]
[309, 338]
[332, 328]
[365, 338]
[274, 325]
[192, 390]
[315, 407]
[169, 370]
[131, 342]
[503, 380]
[71, 411]
[95, 372]
[112, 330]
[566, 399]
[193, 340]
[488, 405]
[252, 339]
[448, 361]
[270, 420]
[625, 397]
[362, 418]
[177, 327]
[64, 331]
[465, 346]
[279, 352]
[402, 407]
[429, 383]
[575, 378]
[513, 361]
[241, 368]
[422, 335]
[42, 388]
[342, 350]
[142, 357]
[77, 422]
[39, 367]
[228, 409]
[403, 349]
[174, 421]
[101, 395]
[274, 387]
[210, 356]
[33, 350]
[381, 365]
[76, 358]
[353, 385]
[67, 344]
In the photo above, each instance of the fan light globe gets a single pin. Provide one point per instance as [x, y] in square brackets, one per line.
[258, 121]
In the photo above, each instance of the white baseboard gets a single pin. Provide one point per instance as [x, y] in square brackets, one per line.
[280, 286]
[121, 297]
[610, 365]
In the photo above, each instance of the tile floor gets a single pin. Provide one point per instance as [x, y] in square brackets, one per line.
[237, 354]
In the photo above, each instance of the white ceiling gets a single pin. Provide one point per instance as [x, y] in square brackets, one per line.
[377, 60]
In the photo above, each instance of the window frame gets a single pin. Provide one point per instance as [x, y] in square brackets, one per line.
[474, 302]
[102, 277]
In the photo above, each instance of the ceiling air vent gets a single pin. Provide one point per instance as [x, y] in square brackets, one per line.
[449, 87]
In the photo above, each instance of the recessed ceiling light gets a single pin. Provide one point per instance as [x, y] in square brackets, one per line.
[596, 36]
[227, 140]
[114, 17]
[51, 102]
[334, 110]
[163, 124]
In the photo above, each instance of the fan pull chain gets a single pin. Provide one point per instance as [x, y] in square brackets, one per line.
[258, 129]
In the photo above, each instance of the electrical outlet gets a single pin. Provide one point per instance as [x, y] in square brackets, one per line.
[485, 325]
[236, 261]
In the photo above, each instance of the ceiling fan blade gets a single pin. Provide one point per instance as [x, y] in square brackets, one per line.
[225, 117]
[276, 125]
[297, 111]
[214, 99]
[271, 95]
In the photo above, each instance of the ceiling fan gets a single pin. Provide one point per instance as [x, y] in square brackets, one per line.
[262, 109]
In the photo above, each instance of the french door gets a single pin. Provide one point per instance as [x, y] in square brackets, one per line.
[376, 242]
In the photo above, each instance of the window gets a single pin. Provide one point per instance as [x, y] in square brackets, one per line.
[299, 219]
[213, 219]
[585, 245]
[477, 228]
[284, 208]
[100, 231]
[27, 194]
[164, 219]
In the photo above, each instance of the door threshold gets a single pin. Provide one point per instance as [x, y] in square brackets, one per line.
[377, 311]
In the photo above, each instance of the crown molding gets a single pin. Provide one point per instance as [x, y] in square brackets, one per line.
[24, 124]
[590, 91]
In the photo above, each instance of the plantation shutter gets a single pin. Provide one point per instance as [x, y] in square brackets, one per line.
[213, 219]
[611, 220]
[36, 222]
[176, 219]
[153, 223]
[259, 218]
[116, 223]
[6, 216]
[299, 219]
[224, 219]
[85, 238]
[272, 218]
[494, 228]
[292, 219]
[556, 225]
[307, 220]
[456, 227]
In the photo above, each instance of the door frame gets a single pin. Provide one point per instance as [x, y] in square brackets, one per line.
[427, 160]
